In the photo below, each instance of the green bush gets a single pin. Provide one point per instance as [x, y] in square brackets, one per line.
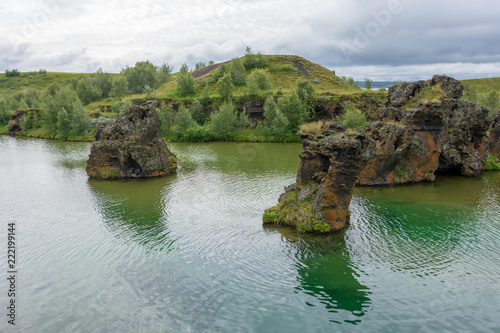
[219, 72]
[352, 118]
[186, 85]
[87, 91]
[149, 93]
[307, 96]
[491, 102]
[166, 116]
[269, 112]
[183, 121]
[368, 84]
[197, 112]
[252, 61]
[225, 86]
[11, 73]
[224, 121]
[238, 71]
[470, 93]
[163, 74]
[103, 81]
[119, 87]
[288, 68]
[259, 80]
[493, 163]
[142, 74]
[199, 64]
[198, 133]
[293, 109]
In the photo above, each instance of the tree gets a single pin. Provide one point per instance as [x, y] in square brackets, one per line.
[205, 95]
[262, 78]
[196, 110]
[183, 121]
[252, 86]
[142, 74]
[238, 71]
[492, 102]
[251, 61]
[352, 118]
[186, 84]
[64, 98]
[87, 91]
[225, 86]
[293, 109]
[119, 87]
[103, 81]
[368, 84]
[224, 121]
[184, 68]
[164, 73]
[470, 93]
[280, 124]
[307, 95]
[166, 115]
[269, 112]
[63, 124]
[219, 72]
[199, 64]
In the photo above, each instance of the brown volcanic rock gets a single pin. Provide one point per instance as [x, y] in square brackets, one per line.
[495, 136]
[427, 129]
[130, 146]
[329, 168]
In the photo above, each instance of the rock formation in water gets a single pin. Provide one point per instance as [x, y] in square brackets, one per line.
[329, 168]
[494, 147]
[130, 146]
[425, 128]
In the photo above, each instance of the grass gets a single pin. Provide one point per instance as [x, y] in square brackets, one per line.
[431, 94]
[311, 128]
[485, 85]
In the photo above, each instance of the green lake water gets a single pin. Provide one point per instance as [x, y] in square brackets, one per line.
[188, 252]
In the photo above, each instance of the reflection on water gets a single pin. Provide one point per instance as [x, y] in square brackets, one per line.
[135, 209]
[188, 252]
[326, 273]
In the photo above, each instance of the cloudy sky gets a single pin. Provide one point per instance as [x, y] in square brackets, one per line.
[378, 39]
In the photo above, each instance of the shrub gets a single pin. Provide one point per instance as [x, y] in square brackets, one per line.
[120, 106]
[225, 86]
[87, 91]
[149, 93]
[368, 84]
[311, 128]
[199, 64]
[11, 73]
[183, 121]
[166, 115]
[219, 72]
[205, 95]
[252, 61]
[349, 80]
[64, 98]
[288, 68]
[142, 74]
[119, 86]
[491, 102]
[281, 125]
[261, 79]
[224, 121]
[470, 93]
[493, 163]
[269, 112]
[238, 71]
[293, 109]
[196, 110]
[316, 80]
[164, 73]
[186, 84]
[103, 81]
[352, 118]
[32, 98]
[198, 133]
[307, 95]
[184, 68]
[63, 124]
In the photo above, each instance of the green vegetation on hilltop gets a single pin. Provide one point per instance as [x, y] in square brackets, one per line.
[483, 91]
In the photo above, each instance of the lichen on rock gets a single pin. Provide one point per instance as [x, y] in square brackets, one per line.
[130, 146]
[329, 168]
[425, 128]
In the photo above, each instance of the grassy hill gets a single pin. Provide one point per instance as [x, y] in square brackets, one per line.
[484, 86]
[16, 84]
[285, 71]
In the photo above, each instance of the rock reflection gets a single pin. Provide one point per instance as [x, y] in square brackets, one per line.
[135, 209]
[326, 272]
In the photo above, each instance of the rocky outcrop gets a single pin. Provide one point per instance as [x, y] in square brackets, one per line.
[425, 129]
[130, 146]
[16, 119]
[329, 168]
[494, 147]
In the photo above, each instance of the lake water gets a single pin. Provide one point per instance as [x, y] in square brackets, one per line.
[188, 252]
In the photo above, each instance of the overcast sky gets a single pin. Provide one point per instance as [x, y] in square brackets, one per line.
[378, 39]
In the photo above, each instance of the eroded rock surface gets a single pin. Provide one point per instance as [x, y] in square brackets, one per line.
[329, 168]
[130, 146]
[425, 128]
[494, 147]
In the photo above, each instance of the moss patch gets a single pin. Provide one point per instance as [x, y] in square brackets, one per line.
[295, 213]
[493, 163]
